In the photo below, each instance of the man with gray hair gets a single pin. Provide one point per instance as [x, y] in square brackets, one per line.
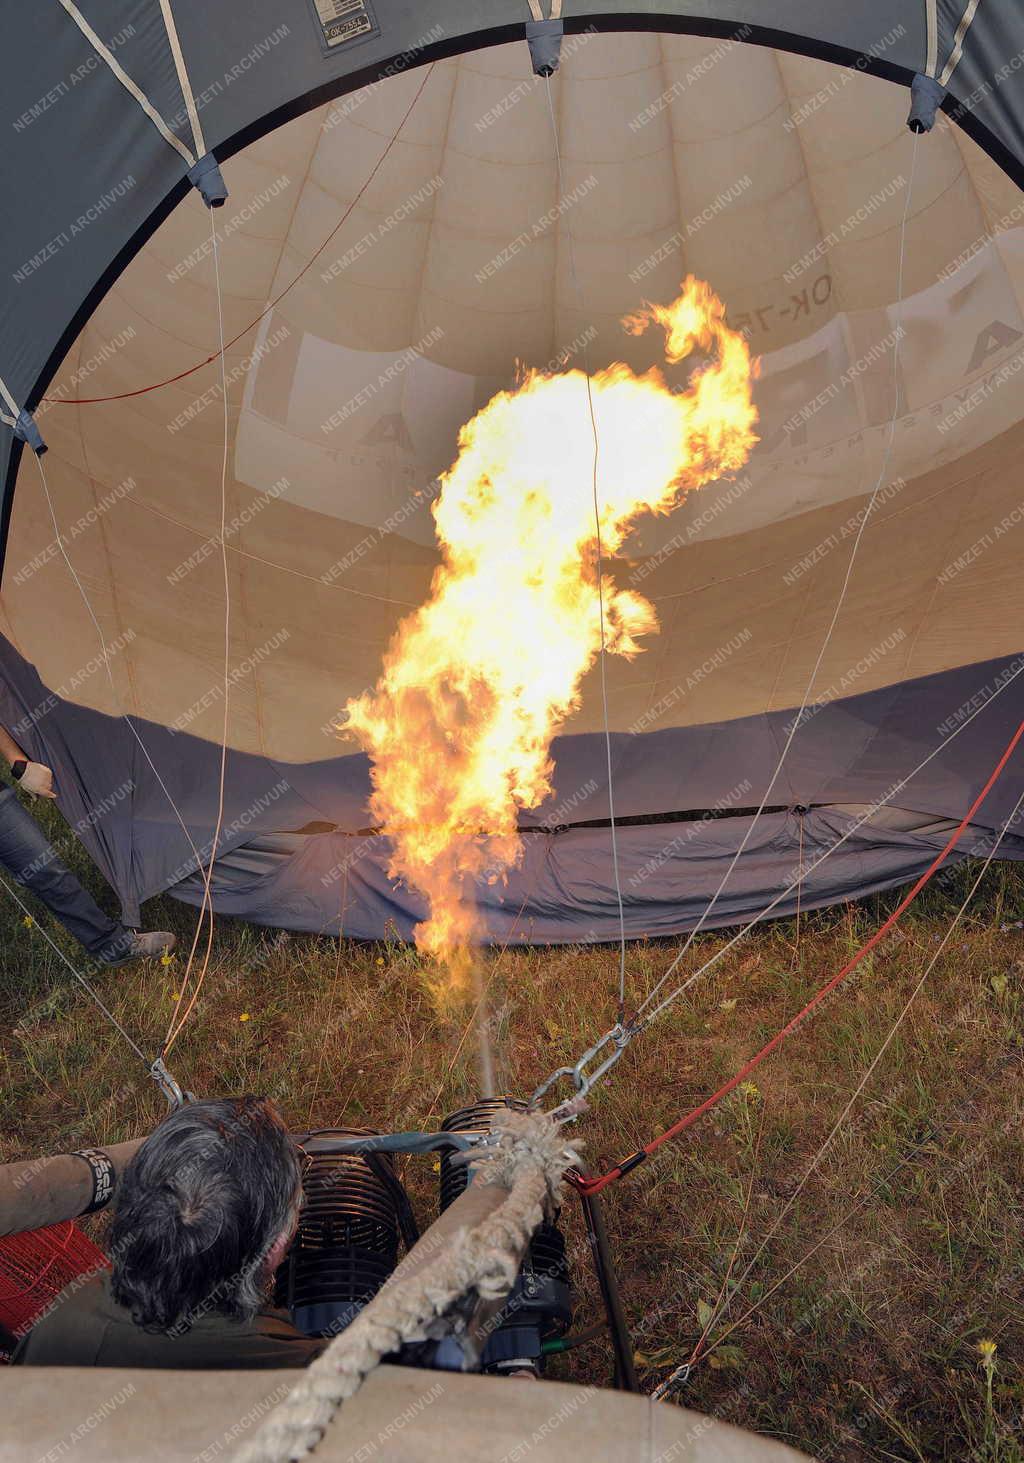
[205, 1213]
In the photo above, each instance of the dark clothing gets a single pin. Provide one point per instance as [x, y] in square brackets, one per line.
[86, 1327]
[26, 853]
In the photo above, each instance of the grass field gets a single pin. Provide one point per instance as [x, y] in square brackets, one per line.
[893, 1259]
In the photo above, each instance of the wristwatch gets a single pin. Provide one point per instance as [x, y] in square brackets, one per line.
[18, 768]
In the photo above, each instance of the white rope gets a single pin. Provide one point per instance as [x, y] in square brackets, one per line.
[856, 1093]
[106, 658]
[9, 400]
[129, 85]
[11, 421]
[840, 601]
[858, 823]
[199, 860]
[878, 1057]
[958, 42]
[75, 972]
[59, 537]
[932, 29]
[183, 81]
[603, 657]
[530, 1161]
[184, 1010]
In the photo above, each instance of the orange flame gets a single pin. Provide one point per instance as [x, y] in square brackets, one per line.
[479, 679]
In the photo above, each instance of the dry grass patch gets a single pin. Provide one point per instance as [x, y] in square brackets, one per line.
[903, 1250]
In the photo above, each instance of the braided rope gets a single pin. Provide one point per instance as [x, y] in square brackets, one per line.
[529, 1160]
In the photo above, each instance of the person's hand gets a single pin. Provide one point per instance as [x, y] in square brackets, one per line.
[37, 779]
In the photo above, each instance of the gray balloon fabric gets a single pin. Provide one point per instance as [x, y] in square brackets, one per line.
[295, 851]
[393, 190]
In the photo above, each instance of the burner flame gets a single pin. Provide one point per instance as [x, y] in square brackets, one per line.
[479, 679]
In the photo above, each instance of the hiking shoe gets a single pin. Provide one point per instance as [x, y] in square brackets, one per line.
[146, 943]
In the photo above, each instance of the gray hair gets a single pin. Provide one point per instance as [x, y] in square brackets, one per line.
[198, 1210]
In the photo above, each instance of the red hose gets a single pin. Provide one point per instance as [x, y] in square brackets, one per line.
[595, 1183]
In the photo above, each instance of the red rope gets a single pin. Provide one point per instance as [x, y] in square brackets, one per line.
[141, 390]
[595, 1183]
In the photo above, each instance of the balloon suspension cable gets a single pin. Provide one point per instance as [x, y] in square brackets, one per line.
[622, 1034]
[106, 662]
[603, 656]
[798, 720]
[156, 1069]
[597, 1183]
[59, 540]
[624, 1031]
[184, 1010]
[854, 827]
[811, 1168]
[176, 1025]
[172, 1090]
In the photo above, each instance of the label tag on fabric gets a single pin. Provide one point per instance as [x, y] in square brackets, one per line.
[343, 21]
[102, 1170]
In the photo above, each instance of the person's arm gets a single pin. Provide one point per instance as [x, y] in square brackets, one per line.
[9, 747]
[35, 777]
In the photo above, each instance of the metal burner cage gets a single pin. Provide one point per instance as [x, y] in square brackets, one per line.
[354, 1215]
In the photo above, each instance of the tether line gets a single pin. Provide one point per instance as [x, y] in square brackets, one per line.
[97, 1000]
[603, 656]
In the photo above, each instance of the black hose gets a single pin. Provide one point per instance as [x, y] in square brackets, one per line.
[379, 1165]
[597, 1235]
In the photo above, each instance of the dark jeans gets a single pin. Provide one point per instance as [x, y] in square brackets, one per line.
[36, 865]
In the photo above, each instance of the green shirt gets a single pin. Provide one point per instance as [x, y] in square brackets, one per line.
[86, 1327]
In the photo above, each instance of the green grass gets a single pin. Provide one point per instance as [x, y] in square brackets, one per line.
[868, 1350]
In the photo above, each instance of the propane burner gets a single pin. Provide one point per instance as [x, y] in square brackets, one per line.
[354, 1218]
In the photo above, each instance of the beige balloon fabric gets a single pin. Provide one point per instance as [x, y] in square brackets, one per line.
[879, 277]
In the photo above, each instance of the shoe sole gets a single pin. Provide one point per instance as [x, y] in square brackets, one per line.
[137, 955]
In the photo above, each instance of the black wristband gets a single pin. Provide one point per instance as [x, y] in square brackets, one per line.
[18, 767]
[102, 1169]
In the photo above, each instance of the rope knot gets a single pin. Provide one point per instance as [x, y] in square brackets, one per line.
[525, 1140]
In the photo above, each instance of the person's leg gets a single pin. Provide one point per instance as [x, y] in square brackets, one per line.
[26, 853]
